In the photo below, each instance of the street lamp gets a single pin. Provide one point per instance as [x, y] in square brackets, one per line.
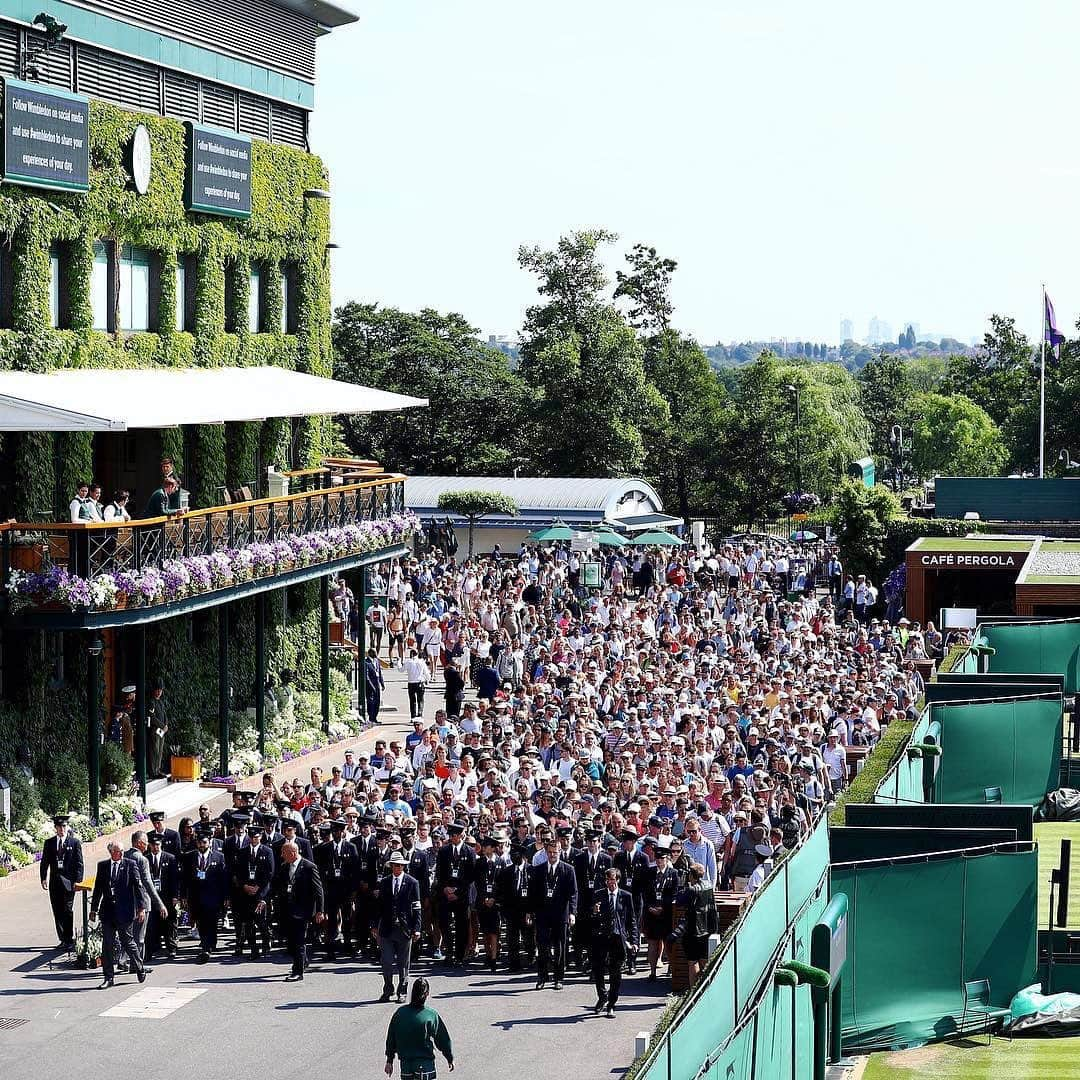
[1065, 457]
[896, 441]
[797, 394]
[94, 648]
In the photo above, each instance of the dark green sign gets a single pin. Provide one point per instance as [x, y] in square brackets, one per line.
[46, 137]
[218, 171]
[828, 939]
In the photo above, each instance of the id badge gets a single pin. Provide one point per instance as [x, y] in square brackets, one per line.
[157, 883]
[550, 892]
[251, 873]
[524, 892]
[337, 871]
[490, 888]
[200, 874]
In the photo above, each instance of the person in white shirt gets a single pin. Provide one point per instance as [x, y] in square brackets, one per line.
[117, 509]
[417, 675]
[79, 507]
[763, 853]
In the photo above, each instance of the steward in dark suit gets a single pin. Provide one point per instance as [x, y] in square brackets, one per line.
[373, 867]
[514, 881]
[121, 900]
[589, 866]
[634, 867]
[488, 909]
[613, 930]
[170, 838]
[660, 888]
[165, 877]
[300, 889]
[339, 868]
[303, 845]
[398, 908]
[553, 902]
[205, 889]
[253, 871]
[62, 863]
[455, 865]
[697, 921]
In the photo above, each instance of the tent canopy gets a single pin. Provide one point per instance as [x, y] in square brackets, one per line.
[94, 399]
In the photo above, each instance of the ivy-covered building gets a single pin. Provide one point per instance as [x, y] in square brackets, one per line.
[160, 212]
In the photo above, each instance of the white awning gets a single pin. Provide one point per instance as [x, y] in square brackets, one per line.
[88, 399]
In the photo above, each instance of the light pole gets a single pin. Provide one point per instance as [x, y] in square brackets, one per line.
[1065, 457]
[896, 440]
[94, 649]
[797, 394]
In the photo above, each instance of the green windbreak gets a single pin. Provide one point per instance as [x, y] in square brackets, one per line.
[1011, 744]
[903, 783]
[917, 931]
[1040, 648]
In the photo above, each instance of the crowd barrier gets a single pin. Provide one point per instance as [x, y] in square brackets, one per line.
[735, 1022]
[1049, 647]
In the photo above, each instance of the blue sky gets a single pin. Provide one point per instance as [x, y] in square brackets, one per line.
[803, 162]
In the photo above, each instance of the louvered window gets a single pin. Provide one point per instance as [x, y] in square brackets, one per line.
[9, 49]
[53, 66]
[119, 79]
[181, 97]
[219, 106]
[254, 116]
[290, 125]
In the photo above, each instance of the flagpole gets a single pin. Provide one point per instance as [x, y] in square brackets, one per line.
[1042, 387]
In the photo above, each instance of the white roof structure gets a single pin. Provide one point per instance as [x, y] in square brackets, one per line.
[542, 499]
[94, 399]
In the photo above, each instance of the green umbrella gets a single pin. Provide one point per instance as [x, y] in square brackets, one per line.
[657, 538]
[557, 530]
[604, 534]
[801, 535]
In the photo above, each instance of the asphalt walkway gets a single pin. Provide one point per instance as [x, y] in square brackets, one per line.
[232, 1020]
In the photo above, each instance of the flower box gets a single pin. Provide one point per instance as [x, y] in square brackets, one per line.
[223, 786]
[185, 768]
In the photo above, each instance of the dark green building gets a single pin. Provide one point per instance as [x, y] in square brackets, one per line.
[160, 211]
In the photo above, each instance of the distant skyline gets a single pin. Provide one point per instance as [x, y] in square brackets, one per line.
[802, 164]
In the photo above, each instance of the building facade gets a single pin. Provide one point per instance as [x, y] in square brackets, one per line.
[160, 210]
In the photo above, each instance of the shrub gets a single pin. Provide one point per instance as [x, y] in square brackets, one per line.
[889, 749]
[116, 768]
[65, 786]
[24, 797]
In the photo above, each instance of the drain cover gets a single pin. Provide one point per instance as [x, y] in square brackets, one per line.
[7, 1022]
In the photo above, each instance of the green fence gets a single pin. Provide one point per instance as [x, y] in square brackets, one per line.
[1049, 647]
[735, 1019]
[919, 928]
[903, 782]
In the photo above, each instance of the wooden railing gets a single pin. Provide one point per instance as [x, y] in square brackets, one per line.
[92, 548]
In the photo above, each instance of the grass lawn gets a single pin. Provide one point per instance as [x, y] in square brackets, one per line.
[1021, 1059]
[1049, 835]
[960, 543]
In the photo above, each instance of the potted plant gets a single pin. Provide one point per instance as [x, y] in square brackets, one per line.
[800, 502]
[88, 948]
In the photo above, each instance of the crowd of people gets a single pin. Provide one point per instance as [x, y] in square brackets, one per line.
[597, 764]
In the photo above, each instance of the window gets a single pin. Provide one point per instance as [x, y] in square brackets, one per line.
[59, 268]
[255, 301]
[135, 267]
[6, 282]
[185, 292]
[286, 298]
[99, 288]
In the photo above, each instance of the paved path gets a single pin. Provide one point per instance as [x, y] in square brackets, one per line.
[233, 1020]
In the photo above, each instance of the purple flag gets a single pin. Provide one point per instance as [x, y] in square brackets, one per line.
[1050, 331]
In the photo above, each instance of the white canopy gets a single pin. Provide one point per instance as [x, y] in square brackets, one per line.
[88, 399]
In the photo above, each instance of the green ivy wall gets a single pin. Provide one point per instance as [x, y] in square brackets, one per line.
[43, 713]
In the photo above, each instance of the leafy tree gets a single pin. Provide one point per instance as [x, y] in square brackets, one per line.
[954, 437]
[862, 518]
[477, 405]
[648, 288]
[585, 365]
[474, 505]
[885, 387]
[682, 450]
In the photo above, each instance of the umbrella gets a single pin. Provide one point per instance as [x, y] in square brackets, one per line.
[803, 534]
[604, 534]
[657, 538]
[557, 530]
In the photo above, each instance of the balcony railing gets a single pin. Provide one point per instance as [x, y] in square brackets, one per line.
[96, 550]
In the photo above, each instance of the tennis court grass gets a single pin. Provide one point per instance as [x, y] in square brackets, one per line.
[1049, 835]
[1021, 1059]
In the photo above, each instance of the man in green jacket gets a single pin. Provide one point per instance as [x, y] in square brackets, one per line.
[414, 1034]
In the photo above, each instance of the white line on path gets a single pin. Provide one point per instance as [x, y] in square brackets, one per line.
[153, 1004]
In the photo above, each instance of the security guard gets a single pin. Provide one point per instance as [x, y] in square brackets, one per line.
[589, 866]
[488, 912]
[339, 868]
[455, 865]
[514, 903]
[253, 872]
[165, 877]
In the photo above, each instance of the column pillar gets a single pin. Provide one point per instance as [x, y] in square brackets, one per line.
[140, 709]
[324, 658]
[223, 688]
[260, 671]
[361, 642]
[93, 722]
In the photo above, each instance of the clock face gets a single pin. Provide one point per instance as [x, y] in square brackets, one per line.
[140, 159]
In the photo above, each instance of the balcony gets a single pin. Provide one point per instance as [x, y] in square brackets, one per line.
[93, 574]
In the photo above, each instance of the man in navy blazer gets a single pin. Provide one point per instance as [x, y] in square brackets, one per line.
[205, 889]
[614, 929]
[553, 901]
[302, 901]
[122, 902]
[398, 907]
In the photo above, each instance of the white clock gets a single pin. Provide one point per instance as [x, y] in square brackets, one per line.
[140, 159]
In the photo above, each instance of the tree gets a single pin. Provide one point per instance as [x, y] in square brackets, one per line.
[648, 288]
[885, 388]
[475, 505]
[585, 365]
[862, 516]
[953, 436]
[476, 404]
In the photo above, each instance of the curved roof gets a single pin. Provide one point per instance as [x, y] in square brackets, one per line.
[535, 493]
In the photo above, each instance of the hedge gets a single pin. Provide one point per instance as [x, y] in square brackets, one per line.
[889, 750]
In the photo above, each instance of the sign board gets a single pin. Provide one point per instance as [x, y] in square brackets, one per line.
[592, 575]
[46, 137]
[582, 542]
[969, 560]
[959, 618]
[218, 179]
[828, 939]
